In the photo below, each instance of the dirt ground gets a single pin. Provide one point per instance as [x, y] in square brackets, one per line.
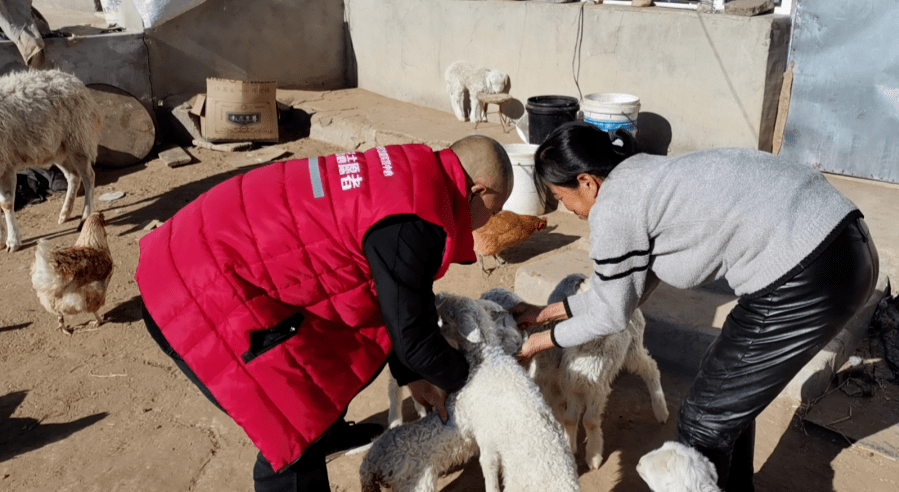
[105, 410]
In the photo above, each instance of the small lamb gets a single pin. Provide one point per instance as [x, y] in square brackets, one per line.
[504, 410]
[499, 411]
[577, 381]
[395, 398]
[463, 78]
[411, 457]
[510, 338]
[675, 467]
[46, 117]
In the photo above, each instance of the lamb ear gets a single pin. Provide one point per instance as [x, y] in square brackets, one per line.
[507, 321]
[470, 331]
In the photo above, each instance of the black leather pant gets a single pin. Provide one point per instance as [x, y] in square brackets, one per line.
[764, 343]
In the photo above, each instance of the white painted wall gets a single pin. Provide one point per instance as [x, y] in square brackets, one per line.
[703, 80]
[300, 44]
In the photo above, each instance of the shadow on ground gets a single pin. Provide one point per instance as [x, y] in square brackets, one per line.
[540, 243]
[20, 435]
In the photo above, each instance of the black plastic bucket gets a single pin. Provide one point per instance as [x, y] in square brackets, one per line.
[546, 113]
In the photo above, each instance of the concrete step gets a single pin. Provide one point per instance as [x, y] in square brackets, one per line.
[681, 324]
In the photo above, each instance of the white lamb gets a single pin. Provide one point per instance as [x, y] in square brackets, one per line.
[395, 394]
[46, 117]
[411, 457]
[577, 381]
[675, 467]
[499, 411]
[509, 337]
[463, 78]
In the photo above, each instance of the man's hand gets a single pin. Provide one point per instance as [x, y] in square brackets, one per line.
[430, 396]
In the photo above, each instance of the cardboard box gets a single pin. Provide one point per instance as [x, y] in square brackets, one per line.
[237, 111]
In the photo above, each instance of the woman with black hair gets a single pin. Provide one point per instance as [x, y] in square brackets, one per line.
[794, 249]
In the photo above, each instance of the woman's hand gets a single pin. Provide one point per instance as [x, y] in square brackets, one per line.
[526, 315]
[529, 315]
[535, 343]
[429, 396]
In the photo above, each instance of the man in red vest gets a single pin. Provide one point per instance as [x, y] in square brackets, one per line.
[283, 292]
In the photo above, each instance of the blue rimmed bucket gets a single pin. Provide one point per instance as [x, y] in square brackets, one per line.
[611, 111]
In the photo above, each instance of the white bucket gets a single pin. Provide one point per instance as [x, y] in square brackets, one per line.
[612, 111]
[525, 199]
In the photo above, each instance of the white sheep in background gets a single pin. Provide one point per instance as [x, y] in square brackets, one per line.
[576, 381]
[498, 412]
[46, 117]
[465, 78]
[675, 467]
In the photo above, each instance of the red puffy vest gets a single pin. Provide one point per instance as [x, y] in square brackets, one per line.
[282, 239]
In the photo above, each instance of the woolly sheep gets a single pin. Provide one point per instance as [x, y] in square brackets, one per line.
[463, 78]
[503, 408]
[409, 458]
[395, 409]
[498, 412]
[510, 338]
[675, 467]
[576, 381]
[46, 117]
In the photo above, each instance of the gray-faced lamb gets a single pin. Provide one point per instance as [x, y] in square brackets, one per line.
[46, 117]
[464, 78]
[510, 338]
[499, 412]
[577, 381]
[411, 457]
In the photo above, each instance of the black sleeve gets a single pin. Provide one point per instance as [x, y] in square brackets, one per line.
[404, 253]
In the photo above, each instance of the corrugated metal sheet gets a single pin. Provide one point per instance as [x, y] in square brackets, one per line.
[844, 108]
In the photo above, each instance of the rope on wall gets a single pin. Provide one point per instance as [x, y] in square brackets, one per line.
[576, 58]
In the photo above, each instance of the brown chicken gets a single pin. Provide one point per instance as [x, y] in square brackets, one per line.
[74, 280]
[502, 231]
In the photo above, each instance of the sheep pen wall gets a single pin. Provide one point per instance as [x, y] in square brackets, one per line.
[703, 80]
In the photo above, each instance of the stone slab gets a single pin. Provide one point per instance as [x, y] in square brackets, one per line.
[175, 157]
[190, 122]
[223, 147]
[748, 8]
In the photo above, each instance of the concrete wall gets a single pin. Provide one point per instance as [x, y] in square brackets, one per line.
[80, 5]
[299, 44]
[116, 59]
[703, 80]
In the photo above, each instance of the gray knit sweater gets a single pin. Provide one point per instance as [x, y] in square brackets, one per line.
[741, 214]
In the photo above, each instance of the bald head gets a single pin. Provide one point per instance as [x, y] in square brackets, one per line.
[489, 174]
[485, 162]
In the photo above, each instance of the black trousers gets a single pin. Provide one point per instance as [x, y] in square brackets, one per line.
[308, 474]
[764, 343]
